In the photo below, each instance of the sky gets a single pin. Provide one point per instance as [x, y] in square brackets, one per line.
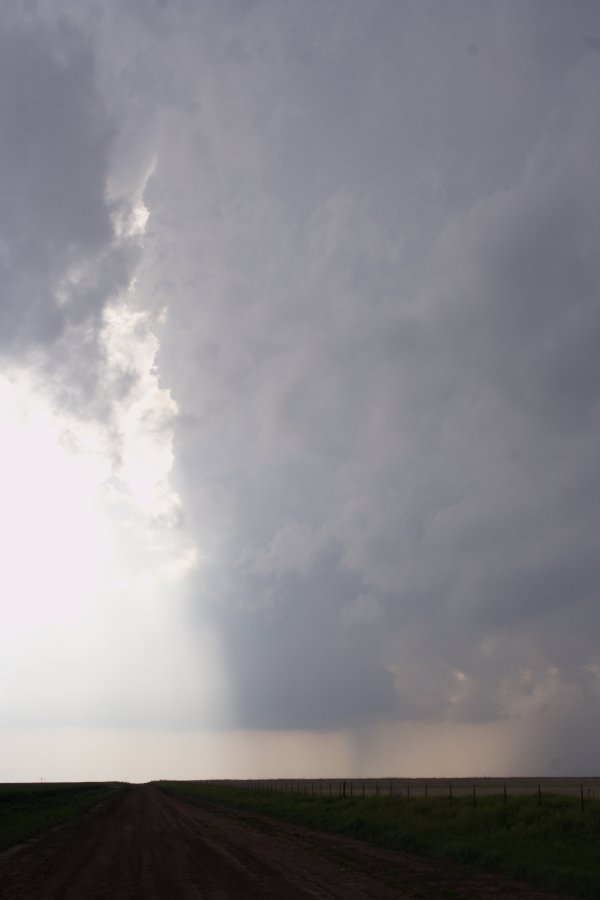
[299, 388]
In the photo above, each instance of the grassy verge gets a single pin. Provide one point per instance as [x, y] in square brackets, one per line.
[555, 845]
[28, 809]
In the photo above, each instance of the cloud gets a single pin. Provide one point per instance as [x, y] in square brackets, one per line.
[369, 260]
[62, 262]
[91, 527]
[385, 354]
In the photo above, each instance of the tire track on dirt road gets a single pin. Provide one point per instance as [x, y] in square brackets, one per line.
[147, 845]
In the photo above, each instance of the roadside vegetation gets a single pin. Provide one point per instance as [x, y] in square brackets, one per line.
[555, 845]
[28, 809]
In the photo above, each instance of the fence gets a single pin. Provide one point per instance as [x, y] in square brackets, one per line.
[412, 788]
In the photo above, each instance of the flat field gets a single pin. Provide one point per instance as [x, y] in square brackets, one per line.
[147, 843]
[540, 831]
[429, 787]
[28, 809]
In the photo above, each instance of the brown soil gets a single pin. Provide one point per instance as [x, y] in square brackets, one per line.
[147, 845]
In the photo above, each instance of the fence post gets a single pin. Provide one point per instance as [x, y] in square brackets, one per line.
[539, 795]
[450, 793]
[408, 790]
[426, 790]
[363, 790]
[505, 793]
[581, 791]
[474, 798]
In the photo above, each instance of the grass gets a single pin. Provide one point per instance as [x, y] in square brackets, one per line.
[28, 809]
[555, 846]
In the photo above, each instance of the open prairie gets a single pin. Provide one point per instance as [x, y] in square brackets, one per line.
[145, 842]
[28, 809]
[431, 787]
[545, 831]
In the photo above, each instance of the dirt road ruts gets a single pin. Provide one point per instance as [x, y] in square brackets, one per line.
[147, 845]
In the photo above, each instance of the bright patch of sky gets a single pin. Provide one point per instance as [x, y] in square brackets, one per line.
[95, 557]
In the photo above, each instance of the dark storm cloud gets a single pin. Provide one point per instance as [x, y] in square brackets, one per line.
[319, 672]
[386, 345]
[375, 229]
[61, 261]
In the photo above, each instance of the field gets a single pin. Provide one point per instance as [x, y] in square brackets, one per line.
[146, 842]
[588, 788]
[545, 831]
[28, 809]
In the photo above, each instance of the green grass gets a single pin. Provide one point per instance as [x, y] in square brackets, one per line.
[555, 845]
[28, 809]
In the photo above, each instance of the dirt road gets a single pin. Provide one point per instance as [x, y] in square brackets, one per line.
[146, 845]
